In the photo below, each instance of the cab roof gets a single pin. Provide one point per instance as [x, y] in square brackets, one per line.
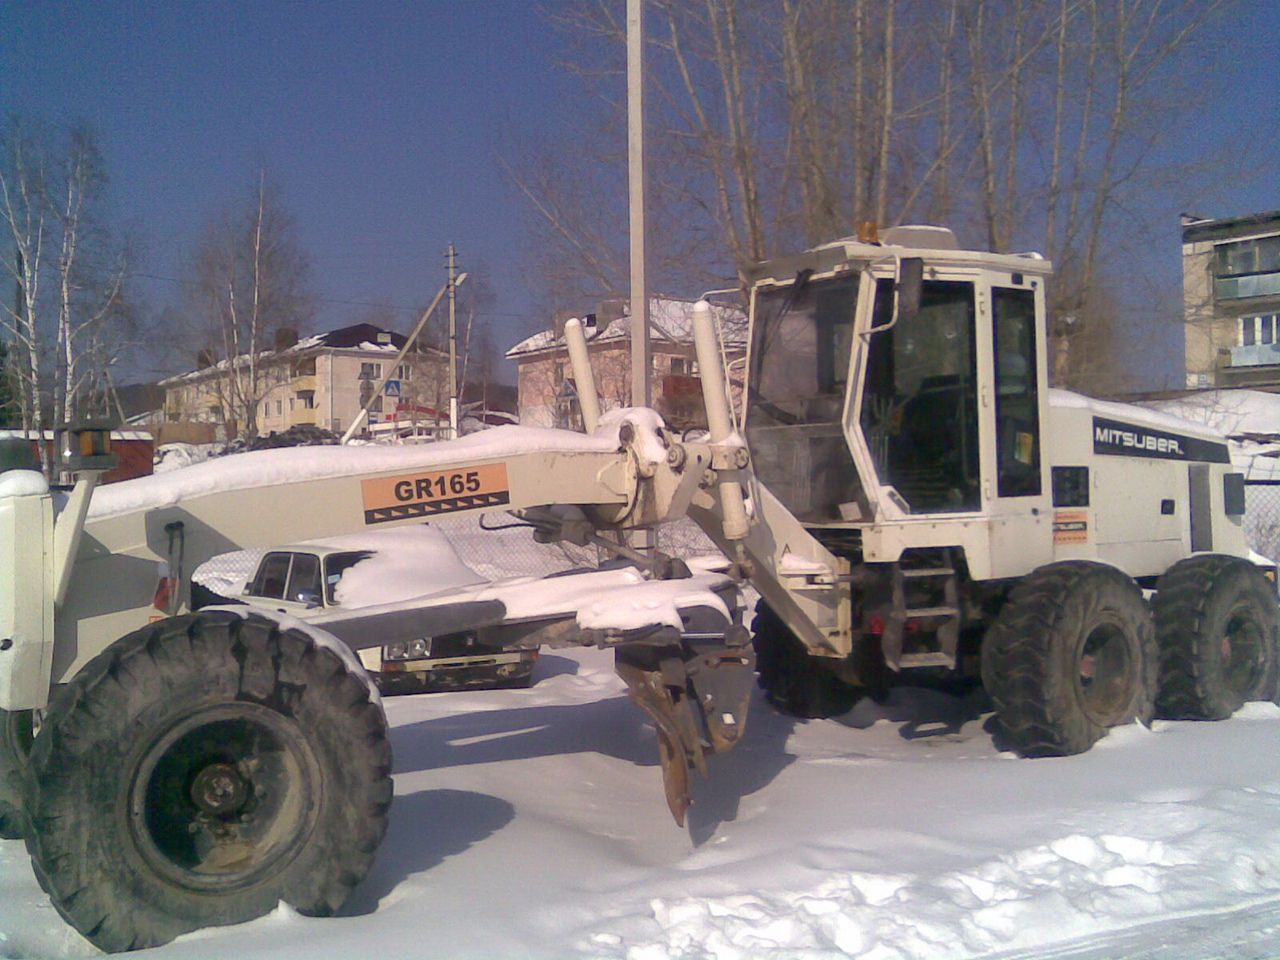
[936, 245]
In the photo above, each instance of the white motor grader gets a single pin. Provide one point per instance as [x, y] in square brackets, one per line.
[904, 491]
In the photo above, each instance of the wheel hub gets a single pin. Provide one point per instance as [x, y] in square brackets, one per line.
[219, 790]
[1104, 674]
[224, 798]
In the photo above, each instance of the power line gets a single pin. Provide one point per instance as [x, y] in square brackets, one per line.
[338, 302]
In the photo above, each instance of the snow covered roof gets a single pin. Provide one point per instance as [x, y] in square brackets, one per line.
[670, 321]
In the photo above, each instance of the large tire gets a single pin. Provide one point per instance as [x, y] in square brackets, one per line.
[200, 771]
[794, 681]
[1216, 624]
[15, 759]
[1071, 654]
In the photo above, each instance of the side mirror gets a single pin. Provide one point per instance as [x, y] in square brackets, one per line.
[909, 288]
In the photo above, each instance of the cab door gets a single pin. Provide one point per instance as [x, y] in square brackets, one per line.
[1015, 402]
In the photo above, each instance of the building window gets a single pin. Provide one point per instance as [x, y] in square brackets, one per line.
[1261, 255]
[404, 372]
[1260, 329]
[678, 366]
[307, 399]
[279, 407]
[370, 371]
[305, 367]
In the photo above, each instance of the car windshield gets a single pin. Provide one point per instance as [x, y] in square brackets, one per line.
[335, 565]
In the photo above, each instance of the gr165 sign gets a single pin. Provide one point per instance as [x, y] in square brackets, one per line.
[434, 492]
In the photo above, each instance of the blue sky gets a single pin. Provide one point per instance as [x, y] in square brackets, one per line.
[383, 122]
[380, 122]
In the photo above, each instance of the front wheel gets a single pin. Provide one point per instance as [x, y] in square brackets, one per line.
[16, 727]
[198, 772]
[795, 682]
[1071, 654]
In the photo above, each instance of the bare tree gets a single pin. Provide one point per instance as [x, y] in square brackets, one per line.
[1024, 124]
[249, 283]
[67, 267]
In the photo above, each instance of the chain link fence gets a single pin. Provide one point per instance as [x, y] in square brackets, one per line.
[494, 546]
[1262, 516]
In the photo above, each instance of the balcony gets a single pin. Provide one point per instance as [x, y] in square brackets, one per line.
[302, 415]
[303, 383]
[1249, 285]
[1256, 355]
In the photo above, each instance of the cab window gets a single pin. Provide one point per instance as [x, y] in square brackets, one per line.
[272, 575]
[1017, 409]
[304, 578]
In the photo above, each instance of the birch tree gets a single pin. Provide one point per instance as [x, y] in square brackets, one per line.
[67, 268]
[249, 281]
[775, 124]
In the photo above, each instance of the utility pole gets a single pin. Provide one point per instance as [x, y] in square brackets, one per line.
[640, 366]
[642, 540]
[453, 342]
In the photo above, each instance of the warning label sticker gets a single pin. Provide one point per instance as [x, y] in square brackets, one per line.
[439, 491]
[1071, 526]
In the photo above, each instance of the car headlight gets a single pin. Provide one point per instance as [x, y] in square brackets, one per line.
[410, 650]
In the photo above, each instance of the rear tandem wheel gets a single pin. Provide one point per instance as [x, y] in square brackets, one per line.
[1216, 623]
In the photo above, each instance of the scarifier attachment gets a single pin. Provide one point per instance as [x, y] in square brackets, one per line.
[697, 694]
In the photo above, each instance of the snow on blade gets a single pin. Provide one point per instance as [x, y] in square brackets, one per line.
[618, 599]
[262, 468]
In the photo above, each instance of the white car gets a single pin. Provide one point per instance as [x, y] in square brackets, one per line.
[309, 580]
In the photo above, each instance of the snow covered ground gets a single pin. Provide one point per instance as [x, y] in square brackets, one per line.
[530, 823]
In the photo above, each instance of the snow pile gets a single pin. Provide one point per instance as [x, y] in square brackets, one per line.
[407, 560]
[1249, 418]
[176, 456]
[22, 483]
[895, 832]
[1144, 414]
[617, 599]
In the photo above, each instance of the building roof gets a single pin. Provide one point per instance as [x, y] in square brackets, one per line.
[670, 321]
[358, 336]
[362, 337]
[1200, 229]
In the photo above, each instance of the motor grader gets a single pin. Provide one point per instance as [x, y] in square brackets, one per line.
[903, 490]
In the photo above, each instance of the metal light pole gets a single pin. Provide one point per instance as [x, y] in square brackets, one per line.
[640, 366]
[449, 287]
[453, 342]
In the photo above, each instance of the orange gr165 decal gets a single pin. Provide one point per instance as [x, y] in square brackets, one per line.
[433, 492]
